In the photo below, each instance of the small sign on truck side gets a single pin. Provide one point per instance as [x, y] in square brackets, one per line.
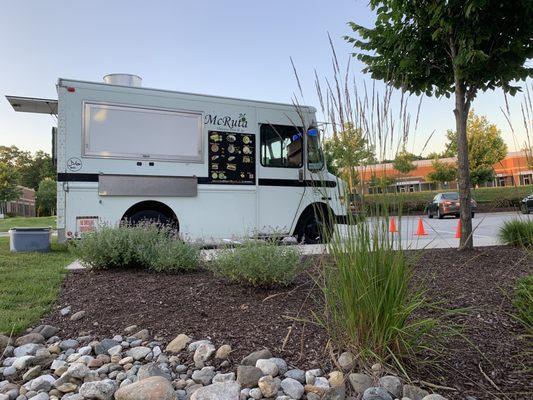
[214, 167]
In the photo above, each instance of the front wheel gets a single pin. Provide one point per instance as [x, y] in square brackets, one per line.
[430, 216]
[439, 215]
[314, 229]
[473, 215]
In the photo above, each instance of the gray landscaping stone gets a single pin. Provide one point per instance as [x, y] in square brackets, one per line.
[392, 384]
[204, 375]
[22, 362]
[297, 374]
[28, 349]
[151, 369]
[138, 353]
[178, 343]
[376, 393]
[104, 346]
[218, 391]
[41, 396]
[221, 378]
[267, 367]
[98, 390]
[203, 353]
[77, 316]
[248, 376]
[434, 396]
[9, 372]
[30, 374]
[311, 375]
[346, 361]
[69, 344]
[360, 382]
[47, 331]
[42, 383]
[251, 359]
[414, 392]
[143, 334]
[78, 370]
[292, 388]
[29, 338]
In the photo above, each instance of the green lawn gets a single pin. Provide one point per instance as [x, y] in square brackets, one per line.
[8, 223]
[29, 285]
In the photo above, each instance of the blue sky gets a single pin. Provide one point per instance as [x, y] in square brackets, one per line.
[232, 48]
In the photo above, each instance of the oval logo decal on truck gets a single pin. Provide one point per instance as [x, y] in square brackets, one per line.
[74, 164]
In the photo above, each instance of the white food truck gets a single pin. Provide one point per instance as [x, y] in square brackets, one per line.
[215, 167]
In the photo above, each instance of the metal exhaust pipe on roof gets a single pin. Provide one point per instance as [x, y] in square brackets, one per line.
[123, 80]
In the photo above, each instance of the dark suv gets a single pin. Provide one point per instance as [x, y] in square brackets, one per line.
[526, 204]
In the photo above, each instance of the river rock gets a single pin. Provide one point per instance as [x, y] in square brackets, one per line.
[221, 378]
[194, 345]
[149, 370]
[360, 382]
[434, 396]
[153, 388]
[251, 359]
[203, 353]
[392, 384]
[414, 392]
[138, 353]
[29, 338]
[143, 334]
[297, 374]
[267, 367]
[223, 352]
[42, 383]
[376, 393]
[292, 388]
[178, 343]
[28, 349]
[346, 361]
[269, 386]
[30, 374]
[78, 370]
[69, 344]
[204, 375]
[98, 390]
[22, 362]
[104, 346]
[336, 378]
[248, 376]
[47, 331]
[77, 316]
[218, 391]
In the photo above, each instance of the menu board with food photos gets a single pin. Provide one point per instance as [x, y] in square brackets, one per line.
[231, 158]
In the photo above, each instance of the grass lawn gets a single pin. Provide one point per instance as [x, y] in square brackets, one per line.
[8, 223]
[29, 284]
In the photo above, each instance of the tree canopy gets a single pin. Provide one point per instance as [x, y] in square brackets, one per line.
[8, 183]
[403, 163]
[30, 169]
[442, 172]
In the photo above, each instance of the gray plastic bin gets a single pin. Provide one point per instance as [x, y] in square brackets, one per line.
[30, 239]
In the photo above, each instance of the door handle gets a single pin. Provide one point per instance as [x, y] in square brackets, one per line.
[300, 175]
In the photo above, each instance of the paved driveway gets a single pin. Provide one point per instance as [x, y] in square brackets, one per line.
[441, 232]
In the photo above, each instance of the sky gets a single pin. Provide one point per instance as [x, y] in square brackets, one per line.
[233, 48]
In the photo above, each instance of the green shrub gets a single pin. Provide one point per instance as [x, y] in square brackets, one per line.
[523, 301]
[258, 263]
[144, 246]
[517, 232]
[370, 305]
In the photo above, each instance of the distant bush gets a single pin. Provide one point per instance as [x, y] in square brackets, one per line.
[258, 263]
[523, 301]
[517, 232]
[147, 246]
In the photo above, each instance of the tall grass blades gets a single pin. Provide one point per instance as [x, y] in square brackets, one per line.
[517, 232]
[523, 302]
[258, 263]
[148, 245]
[370, 304]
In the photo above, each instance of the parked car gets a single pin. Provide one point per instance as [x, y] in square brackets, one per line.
[526, 204]
[447, 204]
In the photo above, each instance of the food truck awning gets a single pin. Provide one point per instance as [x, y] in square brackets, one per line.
[33, 105]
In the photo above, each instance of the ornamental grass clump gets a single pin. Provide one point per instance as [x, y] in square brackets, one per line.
[370, 303]
[523, 302]
[517, 232]
[258, 263]
[147, 246]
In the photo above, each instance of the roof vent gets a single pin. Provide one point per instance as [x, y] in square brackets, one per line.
[123, 80]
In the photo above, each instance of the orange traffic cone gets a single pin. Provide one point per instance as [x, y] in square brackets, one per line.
[392, 226]
[459, 229]
[420, 231]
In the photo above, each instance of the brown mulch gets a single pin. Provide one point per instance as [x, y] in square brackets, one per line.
[488, 360]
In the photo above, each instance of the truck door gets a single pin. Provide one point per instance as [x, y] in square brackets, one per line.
[281, 177]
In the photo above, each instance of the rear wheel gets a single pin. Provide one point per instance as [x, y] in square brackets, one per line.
[430, 215]
[314, 229]
[439, 215]
[473, 214]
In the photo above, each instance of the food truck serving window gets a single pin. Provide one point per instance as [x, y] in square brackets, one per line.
[120, 131]
[281, 146]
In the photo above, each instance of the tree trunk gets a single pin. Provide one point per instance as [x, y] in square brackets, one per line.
[461, 114]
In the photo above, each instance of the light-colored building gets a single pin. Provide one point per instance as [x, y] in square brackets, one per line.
[513, 170]
[24, 206]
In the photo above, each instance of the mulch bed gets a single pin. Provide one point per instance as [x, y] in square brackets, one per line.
[488, 361]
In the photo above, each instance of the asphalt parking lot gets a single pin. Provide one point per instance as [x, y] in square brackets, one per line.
[441, 232]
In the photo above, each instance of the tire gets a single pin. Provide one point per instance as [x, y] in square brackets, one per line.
[439, 215]
[430, 216]
[151, 216]
[314, 230]
[525, 209]
[473, 214]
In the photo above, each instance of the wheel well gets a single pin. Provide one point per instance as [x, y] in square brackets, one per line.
[320, 208]
[150, 205]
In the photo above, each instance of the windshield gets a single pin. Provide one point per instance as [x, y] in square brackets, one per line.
[315, 159]
[450, 196]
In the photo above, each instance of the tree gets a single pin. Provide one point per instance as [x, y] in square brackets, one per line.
[485, 147]
[445, 47]
[31, 170]
[381, 182]
[8, 183]
[403, 163]
[46, 197]
[442, 172]
[347, 150]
